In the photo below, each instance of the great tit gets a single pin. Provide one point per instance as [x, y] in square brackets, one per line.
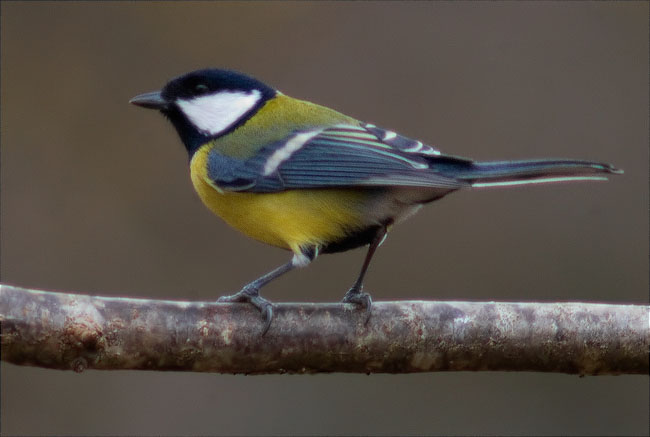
[311, 180]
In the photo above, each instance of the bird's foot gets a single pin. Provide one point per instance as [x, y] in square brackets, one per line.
[357, 296]
[252, 295]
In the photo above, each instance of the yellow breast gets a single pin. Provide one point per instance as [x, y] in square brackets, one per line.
[289, 219]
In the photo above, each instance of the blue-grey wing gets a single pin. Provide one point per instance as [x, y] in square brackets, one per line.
[336, 156]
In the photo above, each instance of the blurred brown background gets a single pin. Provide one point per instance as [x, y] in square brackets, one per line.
[96, 198]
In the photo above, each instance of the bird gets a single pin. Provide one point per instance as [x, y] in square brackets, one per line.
[311, 180]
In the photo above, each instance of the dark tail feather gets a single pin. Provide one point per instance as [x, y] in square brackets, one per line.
[504, 173]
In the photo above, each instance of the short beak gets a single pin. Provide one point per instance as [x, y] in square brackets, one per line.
[152, 100]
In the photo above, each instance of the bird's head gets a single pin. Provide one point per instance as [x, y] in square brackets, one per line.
[206, 104]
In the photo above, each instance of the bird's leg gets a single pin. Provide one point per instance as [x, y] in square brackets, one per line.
[251, 291]
[356, 295]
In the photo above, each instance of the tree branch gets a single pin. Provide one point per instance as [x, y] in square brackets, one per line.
[72, 331]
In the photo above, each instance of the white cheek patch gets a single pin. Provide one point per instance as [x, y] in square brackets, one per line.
[215, 113]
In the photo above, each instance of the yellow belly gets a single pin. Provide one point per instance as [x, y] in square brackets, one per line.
[288, 219]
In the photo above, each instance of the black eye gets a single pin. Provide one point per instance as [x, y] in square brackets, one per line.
[200, 89]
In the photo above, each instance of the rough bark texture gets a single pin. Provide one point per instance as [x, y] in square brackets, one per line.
[77, 332]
